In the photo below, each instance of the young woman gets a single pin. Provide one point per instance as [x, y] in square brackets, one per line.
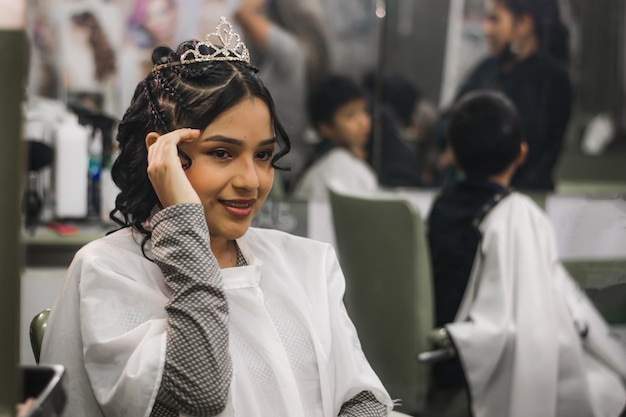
[186, 310]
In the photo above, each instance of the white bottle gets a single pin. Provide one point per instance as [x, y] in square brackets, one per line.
[71, 165]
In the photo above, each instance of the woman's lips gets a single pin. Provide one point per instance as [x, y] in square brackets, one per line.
[239, 208]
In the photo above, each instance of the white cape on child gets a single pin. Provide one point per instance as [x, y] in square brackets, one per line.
[530, 341]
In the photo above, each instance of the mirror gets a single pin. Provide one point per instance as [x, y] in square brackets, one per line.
[91, 54]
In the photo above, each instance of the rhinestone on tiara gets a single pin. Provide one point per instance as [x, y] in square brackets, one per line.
[231, 49]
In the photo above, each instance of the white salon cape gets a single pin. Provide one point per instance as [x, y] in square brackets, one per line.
[529, 340]
[338, 168]
[117, 372]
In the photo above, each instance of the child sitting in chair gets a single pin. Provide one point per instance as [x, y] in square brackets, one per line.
[338, 111]
[527, 338]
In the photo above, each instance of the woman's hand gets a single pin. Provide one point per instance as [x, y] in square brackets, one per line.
[165, 167]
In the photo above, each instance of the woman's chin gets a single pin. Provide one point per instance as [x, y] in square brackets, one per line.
[233, 232]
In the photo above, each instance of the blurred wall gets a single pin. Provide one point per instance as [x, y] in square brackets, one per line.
[601, 61]
[415, 43]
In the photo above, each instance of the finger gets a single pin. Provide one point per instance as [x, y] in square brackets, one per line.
[175, 137]
[165, 146]
[172, 139]
[179, 135]
[189, 135]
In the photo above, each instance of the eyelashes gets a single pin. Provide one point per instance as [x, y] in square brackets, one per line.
[220, 154]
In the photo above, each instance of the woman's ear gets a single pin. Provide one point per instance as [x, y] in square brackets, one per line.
[151, 138]
[523, 153]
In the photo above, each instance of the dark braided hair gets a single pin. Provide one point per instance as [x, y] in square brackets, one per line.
[169, 98]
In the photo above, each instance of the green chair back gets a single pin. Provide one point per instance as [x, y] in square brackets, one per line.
[592, 188]
[539, 197]
[382, 249]
[604, 281]
[37, 329]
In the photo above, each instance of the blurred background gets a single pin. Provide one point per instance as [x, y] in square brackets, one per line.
[87, 56]
[91, 54]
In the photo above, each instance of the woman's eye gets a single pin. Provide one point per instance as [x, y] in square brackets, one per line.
[219, 153]
[264, 155]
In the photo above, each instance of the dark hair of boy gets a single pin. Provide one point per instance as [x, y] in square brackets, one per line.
[328, 96]
[484, 133]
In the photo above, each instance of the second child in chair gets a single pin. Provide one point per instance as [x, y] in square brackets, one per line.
[338, 111]
[486, 140]
[528, 341]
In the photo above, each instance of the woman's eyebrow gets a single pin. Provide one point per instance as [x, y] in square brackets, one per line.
[225, 139]
[233, 141]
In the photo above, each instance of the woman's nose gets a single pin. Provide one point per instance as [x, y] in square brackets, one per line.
[246, 176]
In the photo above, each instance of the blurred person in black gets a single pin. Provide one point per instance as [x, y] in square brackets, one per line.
[528, 52]
[396, 159]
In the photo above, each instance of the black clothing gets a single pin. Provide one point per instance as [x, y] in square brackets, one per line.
[453, 237]
[541, 90]
[399, 166]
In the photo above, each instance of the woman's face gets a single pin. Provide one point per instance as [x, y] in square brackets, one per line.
[231, 167]
[499, 27]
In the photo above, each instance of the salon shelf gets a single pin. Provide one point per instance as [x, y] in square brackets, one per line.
[48, 248]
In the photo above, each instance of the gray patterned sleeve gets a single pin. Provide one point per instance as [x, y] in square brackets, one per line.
[364, 404]
[198, 370]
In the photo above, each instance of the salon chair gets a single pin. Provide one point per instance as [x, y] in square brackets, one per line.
[604, 281]
[37, 329]
[382, 250]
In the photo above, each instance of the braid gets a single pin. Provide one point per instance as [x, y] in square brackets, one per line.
[195, 71]
[163, 81]
[154, 109]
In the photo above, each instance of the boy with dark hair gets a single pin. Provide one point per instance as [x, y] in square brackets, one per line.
[338, 112]
[526, 337]
[485, 136]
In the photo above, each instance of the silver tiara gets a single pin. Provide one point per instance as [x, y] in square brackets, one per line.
[222, 45]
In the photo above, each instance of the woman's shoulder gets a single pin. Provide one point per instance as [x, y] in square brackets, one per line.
[279, 242]
[121, 243]
[117, 257]
[479, 76]
[550, 69]
[290, 257]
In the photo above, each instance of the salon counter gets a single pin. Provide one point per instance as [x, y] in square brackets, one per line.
[46, 247]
